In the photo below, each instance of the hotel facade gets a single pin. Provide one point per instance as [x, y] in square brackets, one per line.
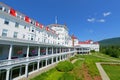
[27, 46]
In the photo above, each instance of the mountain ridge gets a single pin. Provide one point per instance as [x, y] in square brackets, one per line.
[110, 42]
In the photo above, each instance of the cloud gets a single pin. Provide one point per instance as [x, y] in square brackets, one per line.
[106, 14]
[101, 20]
[91, 20]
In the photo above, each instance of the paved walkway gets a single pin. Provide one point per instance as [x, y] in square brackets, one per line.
[102, 72]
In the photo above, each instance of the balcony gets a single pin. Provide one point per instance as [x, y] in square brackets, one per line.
[4, 63]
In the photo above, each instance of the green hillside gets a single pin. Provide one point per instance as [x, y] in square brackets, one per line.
[110, 42]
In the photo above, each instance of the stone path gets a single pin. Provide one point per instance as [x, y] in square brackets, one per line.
[102, 72]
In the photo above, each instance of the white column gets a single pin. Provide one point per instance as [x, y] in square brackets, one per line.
[60, 50]
[52, 59]
[56, 50]
[26, 70]
[60, 57]
[56, 58]
[38, 65]
[27, 51]
[46, 50]
[10, 52]
[7, 74]
[39, 51]
[20, 71]
[69, 49]
[46, 62]
[52, 50]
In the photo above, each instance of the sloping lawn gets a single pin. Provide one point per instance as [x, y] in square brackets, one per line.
[113, 71]
[81, 67]
[52, 74]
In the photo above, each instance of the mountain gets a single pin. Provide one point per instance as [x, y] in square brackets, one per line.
[110, 42]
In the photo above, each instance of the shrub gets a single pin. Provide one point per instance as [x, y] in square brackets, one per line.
[64, 66]
[92, 51]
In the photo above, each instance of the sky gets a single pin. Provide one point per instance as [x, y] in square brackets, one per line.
[86, 19]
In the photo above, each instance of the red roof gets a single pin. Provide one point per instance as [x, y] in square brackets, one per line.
[84, 42]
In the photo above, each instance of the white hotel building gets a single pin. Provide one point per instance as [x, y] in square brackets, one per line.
[26, 46]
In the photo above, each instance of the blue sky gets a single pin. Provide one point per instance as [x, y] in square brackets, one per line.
[86, 19]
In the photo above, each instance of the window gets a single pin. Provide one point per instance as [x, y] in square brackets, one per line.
[15, 34]
[32, 38]
[6, 22]
[4, 32]
[25, 27]
[16, 24]
[23, 36]
[32, 29]
[29, 28]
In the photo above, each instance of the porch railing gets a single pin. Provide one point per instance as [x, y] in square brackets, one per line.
[25, 60]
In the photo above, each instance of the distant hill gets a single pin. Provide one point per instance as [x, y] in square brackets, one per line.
[110, 42]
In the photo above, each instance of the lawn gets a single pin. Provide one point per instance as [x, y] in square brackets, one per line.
[53, 74]
[81, 69]
[112, 70]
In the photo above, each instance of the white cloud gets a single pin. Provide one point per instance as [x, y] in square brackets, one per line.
[91, 20]
[101, 20]
[106, 14]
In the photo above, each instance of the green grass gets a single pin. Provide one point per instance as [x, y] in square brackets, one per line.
[113, 71]
[77, 72]
[52, 74]
[64, 66]
[67, 76]
[90, 64]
